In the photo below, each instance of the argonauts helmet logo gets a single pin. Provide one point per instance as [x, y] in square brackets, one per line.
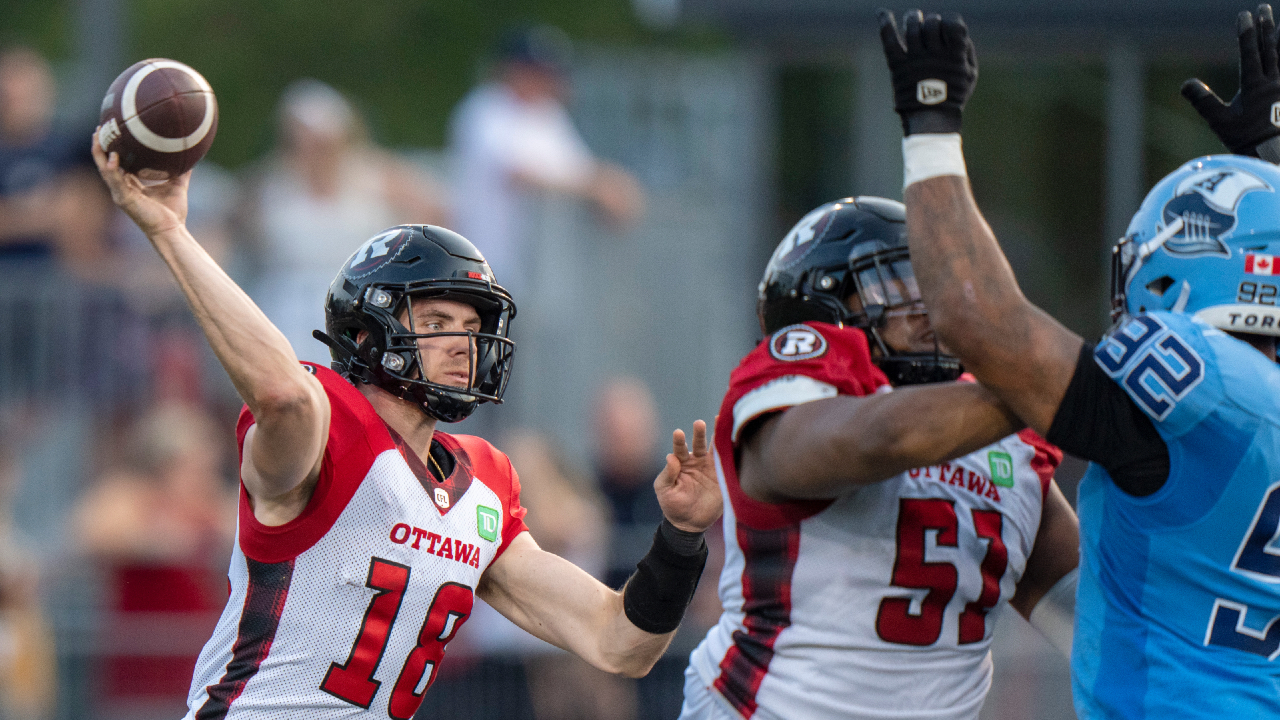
[1204, 204]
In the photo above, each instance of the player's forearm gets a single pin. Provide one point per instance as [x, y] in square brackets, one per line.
[630, 651]
[556, 601]
[974, 301]
[1014, 348]
[255, 355]
[826, 448]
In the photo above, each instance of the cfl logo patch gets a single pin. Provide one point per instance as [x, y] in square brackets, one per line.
[1275, 114]
[442, 498]
[933, 91]
[797, 342]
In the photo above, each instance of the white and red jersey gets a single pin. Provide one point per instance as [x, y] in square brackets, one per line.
[344, 611]
[879, 603]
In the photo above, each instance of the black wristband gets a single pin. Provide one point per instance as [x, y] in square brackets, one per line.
[657, 594]
[934, 121]
[683, 542]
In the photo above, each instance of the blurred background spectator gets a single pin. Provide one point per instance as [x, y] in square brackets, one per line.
[627, 458]
[28, 681]
[53, 208]
[159, 529]
[512, 136]
[324, 190]
[630, 447]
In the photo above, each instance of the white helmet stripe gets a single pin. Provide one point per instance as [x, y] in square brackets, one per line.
[1245, 318]
[144, 135]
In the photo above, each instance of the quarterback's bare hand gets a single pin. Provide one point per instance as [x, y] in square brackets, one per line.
[155, 208]
[1250, 123]
[686, 487]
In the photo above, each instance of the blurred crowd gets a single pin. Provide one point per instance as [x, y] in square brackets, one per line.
[118, 487]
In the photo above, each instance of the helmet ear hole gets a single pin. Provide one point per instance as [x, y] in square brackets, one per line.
[1160, 285]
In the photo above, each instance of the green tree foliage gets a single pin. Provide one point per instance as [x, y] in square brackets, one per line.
[404, 62]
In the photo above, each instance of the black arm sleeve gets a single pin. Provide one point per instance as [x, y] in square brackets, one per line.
[1098, 421]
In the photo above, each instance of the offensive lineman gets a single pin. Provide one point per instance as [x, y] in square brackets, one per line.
[1178, 405]
[863, 571]
[363, 532]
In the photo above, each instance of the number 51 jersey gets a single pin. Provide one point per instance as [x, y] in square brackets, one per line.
[879, 603]
[344, 612]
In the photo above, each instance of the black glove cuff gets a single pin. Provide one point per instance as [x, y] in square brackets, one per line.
[1268, 150]
[933, 120]
[662, 586]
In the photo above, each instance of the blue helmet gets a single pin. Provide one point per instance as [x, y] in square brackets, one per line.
[1205, 241]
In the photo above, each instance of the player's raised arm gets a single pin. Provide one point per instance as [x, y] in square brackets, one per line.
[283, 450]
[1018, 351]
[618, 631]
[1245, 124]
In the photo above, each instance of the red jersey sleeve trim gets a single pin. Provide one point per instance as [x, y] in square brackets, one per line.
[493, 468]
[1046, 460]
[356, 437]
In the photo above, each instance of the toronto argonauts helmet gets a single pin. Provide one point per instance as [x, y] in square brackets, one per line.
[377, 286]
[847, 247]
[1205, 241]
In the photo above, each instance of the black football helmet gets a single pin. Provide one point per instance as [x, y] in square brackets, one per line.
[851, 246]
[378, 284]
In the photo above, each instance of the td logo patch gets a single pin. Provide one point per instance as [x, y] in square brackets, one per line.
[487, 523]
[797, 342]
[1001, 468]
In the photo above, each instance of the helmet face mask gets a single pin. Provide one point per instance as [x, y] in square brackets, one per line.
[370, 343]
[885, 284]
[852, 248]
[1203, 242]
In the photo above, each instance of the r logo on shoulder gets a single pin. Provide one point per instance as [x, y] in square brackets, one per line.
[931, 91]
[797, 342]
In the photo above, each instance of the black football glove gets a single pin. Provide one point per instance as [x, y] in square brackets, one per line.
[1250, 125]
[934, 69]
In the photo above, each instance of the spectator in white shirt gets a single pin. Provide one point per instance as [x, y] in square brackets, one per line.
[513, 135]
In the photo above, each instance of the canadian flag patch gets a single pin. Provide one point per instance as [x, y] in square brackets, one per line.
[1259, 264]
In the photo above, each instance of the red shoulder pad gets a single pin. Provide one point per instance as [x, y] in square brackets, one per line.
[799, 364]
[828, 353]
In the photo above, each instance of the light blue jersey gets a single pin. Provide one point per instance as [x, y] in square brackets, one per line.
[1178, 611]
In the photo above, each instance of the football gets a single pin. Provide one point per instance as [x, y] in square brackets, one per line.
[160, 116]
